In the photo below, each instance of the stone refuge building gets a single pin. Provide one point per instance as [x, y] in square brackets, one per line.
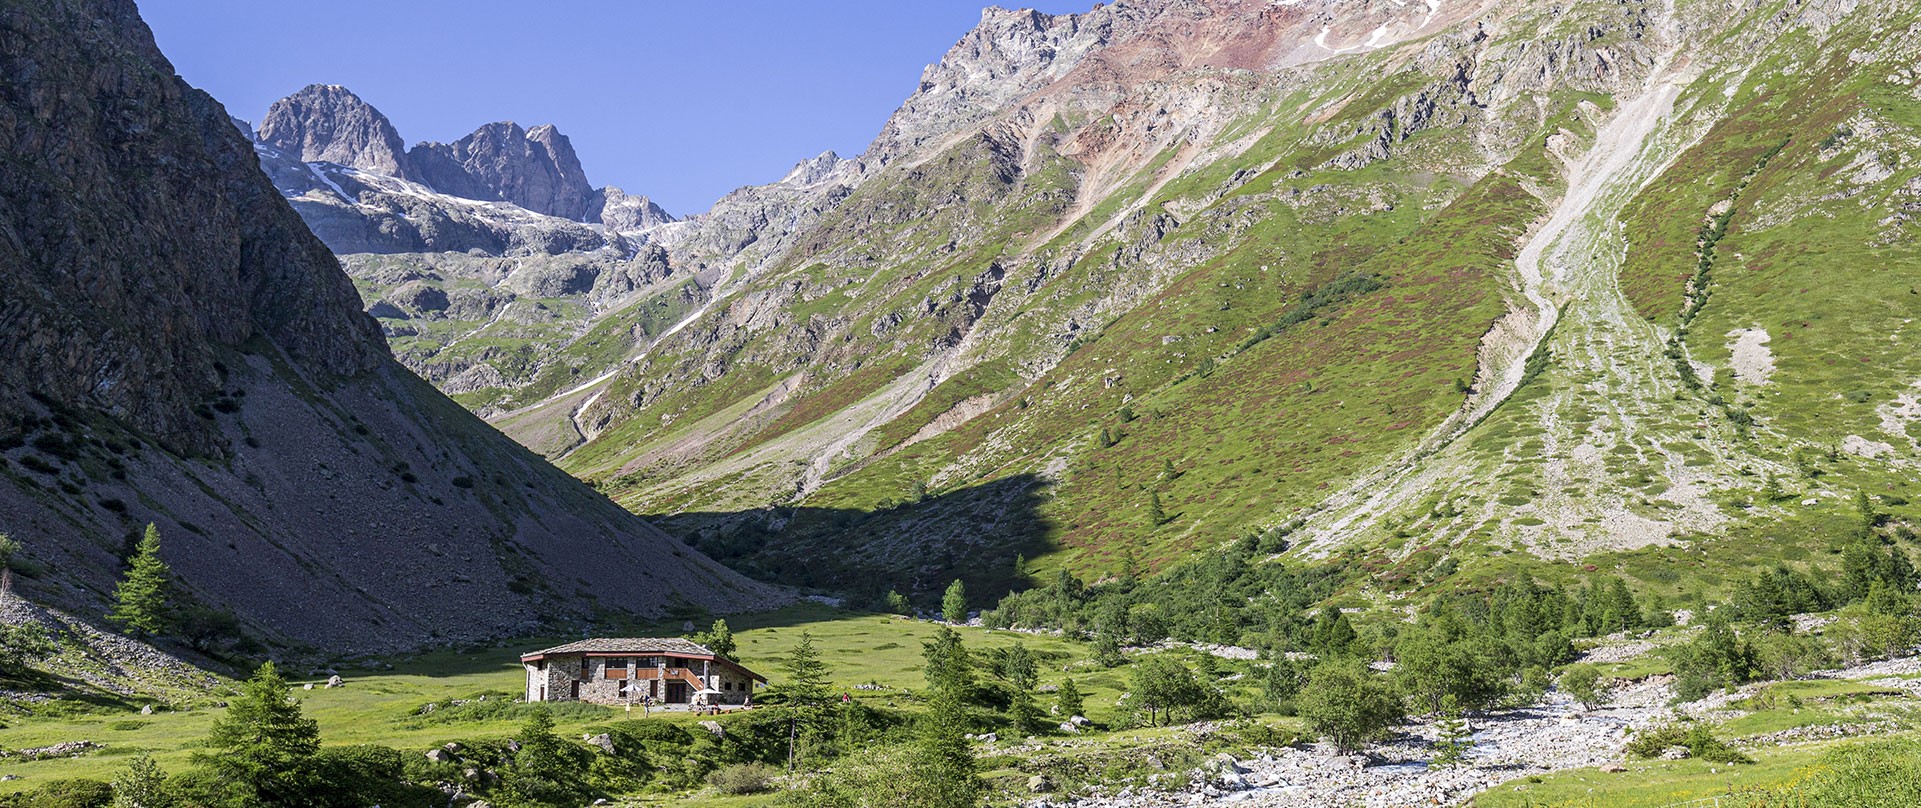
[627, 670]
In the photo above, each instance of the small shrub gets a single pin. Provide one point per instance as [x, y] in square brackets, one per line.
[743, 778]
[1698, 739]
[463, 481]
[65, 794]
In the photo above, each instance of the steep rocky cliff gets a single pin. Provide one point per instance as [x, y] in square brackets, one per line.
[182, 351]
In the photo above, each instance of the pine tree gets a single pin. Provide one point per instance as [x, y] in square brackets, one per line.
[1864, 508]
[140, 601]
[1068, 699]
[806, 673]
[953, 605]
[942, 771]
[547, 769]
[1155, 516]
[1021, 668]
[1167, 470]
[1107, 439]
[1025, 714]
[263, 748]
[949, 667]
[1020, 566]
[1455, 741]
[1772, 489]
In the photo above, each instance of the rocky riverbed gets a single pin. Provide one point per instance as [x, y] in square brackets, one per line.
[1555, 735]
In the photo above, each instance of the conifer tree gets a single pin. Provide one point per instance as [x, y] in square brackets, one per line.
[1455, 740]
[949, 666]
[263, 748]
[1155, 516]
[140, 600]
[953, 605]
[1021, 668]
[1025, 714]
[547, 769]
[1068, 699]
[806, 673]
[942, 771]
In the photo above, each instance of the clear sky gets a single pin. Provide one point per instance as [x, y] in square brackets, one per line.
[683, 101]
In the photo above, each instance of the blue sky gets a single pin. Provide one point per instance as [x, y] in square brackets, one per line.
[683, 101]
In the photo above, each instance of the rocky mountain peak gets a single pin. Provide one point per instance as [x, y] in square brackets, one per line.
[814, 170]
[533, 168]
[1008, 55]
[621, 211]
[328, 123]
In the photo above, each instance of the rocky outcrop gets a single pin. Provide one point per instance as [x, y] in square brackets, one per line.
[619, 211]
[328, 123]
[533, 168]
[182, 351]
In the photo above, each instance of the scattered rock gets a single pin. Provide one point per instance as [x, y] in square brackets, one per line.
[606, 742]
[335, 681]
[1676, 753]
[1227, 763]
[59, 750]
[715, 728]
[146, 710]
[1039, 784]
[440, 756]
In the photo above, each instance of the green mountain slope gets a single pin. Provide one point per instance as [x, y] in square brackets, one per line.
[1588, 284]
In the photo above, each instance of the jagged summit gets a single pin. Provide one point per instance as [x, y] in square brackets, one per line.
[328, 123]
[814, 170]
[534, 168]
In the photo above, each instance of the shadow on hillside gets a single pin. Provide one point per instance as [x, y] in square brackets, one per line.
[917, 548]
